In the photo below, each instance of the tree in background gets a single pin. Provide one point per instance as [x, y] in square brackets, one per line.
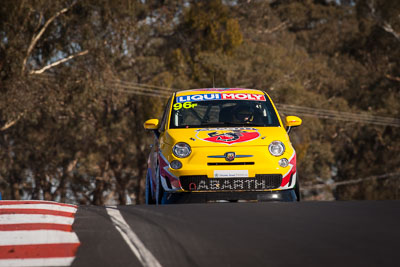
[67, 132]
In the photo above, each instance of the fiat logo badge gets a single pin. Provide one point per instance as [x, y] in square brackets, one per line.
[229, 156]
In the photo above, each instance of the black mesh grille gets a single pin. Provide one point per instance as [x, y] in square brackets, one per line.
[203, 183]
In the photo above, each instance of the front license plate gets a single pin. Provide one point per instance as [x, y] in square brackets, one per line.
[230, 173]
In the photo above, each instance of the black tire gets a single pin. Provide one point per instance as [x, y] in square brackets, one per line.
[297, 188]
[149, 198]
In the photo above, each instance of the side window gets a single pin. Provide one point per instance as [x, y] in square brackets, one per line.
[165, 116]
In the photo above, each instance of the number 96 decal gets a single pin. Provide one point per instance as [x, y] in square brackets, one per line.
[178, 106]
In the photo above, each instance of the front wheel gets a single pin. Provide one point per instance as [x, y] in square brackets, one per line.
[297, 188]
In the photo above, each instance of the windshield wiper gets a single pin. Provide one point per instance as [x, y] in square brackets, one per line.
[211, 124]
[214, 124]
[243, 124]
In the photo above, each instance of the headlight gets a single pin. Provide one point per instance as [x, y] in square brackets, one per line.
[276, 148]
[181, 150]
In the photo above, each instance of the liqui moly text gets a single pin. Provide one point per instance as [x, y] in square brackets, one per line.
[220, 96]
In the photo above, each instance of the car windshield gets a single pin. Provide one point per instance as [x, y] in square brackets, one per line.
[187, 113]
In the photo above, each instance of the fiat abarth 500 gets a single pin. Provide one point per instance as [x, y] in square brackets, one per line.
[221, 144]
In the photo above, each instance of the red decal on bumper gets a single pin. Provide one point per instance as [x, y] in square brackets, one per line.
[293, 169]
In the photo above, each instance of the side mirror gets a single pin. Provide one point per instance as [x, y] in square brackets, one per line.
[151, 124]
[292, 121]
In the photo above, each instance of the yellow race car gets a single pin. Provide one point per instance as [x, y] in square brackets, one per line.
[221, 144]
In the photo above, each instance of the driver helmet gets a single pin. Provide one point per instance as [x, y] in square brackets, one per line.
[244, 113]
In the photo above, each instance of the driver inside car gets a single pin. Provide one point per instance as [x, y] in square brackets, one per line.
[243, 114]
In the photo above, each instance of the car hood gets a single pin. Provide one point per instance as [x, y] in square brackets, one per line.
[234, 136]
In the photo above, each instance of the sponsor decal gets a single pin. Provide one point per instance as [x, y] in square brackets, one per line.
[230, 173]
[166, 174]
[220, 89]
[220, 96]
[186, 105]
[227, 135]
[292, 170]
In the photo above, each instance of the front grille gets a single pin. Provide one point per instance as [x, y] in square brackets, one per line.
[203, 183]
[229, 163]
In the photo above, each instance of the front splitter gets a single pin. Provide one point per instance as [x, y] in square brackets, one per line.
[203, 197]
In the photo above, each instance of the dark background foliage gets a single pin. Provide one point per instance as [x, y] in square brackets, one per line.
[79, 78]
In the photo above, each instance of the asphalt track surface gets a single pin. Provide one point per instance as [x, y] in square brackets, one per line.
[357, 233]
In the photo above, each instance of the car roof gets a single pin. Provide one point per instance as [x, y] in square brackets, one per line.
[218, 90]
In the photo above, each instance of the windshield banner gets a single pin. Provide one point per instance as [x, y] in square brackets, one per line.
[220, 96]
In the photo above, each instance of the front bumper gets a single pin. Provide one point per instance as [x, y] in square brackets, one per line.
[176, 180]
[202, 197]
